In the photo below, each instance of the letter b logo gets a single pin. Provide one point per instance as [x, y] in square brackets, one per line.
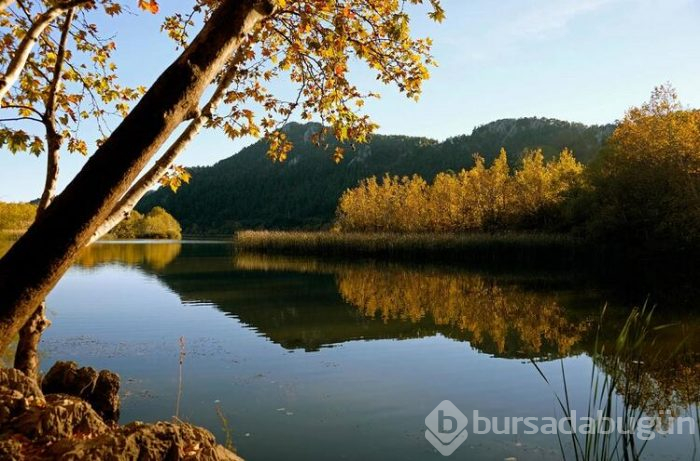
[446, 428]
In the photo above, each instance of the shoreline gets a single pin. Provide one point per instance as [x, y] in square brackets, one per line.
[511, 248]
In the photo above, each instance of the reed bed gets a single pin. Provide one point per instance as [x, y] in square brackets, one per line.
[621, 390]
[511, 248]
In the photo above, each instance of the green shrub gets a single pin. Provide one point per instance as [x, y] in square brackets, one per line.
[156, 224]
[15, 218]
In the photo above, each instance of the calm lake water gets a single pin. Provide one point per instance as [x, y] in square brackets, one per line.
[315, 360]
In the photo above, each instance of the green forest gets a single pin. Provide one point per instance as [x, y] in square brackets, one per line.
[634, 184]
[248, 191]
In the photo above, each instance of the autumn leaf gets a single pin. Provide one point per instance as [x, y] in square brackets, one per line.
[149, 5]
[338, 154]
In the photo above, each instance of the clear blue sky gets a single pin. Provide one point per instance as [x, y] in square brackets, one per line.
[577, 60]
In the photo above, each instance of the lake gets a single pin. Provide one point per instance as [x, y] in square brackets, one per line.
[300, 359]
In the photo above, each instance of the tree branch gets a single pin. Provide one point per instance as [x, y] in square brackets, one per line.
[20, 106]
[17, 119]
[19, 59]
[53, 138]
[27, 353]
[163, 164]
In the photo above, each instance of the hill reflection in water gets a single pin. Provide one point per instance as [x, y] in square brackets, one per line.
[311, 303]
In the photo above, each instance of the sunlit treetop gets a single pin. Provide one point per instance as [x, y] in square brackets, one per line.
[314, 44]
[660, 131]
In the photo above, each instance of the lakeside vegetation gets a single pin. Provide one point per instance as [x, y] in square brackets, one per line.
[15, 218]
[639, 197]
[156, 224]
[247, 191]
[641, 190]
[479, 199]
[542, 248]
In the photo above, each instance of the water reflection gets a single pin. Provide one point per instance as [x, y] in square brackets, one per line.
[299, 304]
[513, 320]
[510, 314]
[311, 303]
[502, 317]
[149, 255]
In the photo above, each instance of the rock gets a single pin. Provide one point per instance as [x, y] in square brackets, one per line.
[18, 381]
[105, 397]
[63, 416]
[17, 393]
[67, 378]
[60, 426]
[101, 390]
[11, 450]
[147, 442]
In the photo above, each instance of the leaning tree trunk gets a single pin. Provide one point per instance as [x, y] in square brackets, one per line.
[27, 353]
[35, 263]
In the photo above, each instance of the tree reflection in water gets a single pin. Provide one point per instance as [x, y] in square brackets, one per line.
[512, 320]
[149, 255]
[505, 315]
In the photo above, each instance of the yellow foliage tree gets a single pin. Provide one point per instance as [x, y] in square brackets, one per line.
[647, 180]
[477, 199]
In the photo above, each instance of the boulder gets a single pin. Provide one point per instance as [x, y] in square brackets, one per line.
[62, 416]
[39, 427]
[16, 380]
[17, 393]
[101, 390]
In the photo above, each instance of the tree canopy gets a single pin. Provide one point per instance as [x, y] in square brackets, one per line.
[476, 199]
[646, 183]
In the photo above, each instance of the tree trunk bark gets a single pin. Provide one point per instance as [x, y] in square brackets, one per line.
[35, 263]
[27, 355]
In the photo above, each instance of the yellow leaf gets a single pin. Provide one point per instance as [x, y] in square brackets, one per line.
[149, 5]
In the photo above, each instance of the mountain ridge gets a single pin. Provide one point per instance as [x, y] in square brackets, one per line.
[247, 190]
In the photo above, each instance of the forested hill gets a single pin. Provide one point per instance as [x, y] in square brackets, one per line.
[247, 190]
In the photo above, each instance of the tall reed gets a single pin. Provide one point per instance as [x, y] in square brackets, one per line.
[616, 392]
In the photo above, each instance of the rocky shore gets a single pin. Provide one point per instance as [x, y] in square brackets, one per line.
[73, 416]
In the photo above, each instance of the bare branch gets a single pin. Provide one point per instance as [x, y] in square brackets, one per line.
[17, 119]
[20, 106]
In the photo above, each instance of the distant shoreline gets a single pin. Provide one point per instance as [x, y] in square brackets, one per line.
[510, 248]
